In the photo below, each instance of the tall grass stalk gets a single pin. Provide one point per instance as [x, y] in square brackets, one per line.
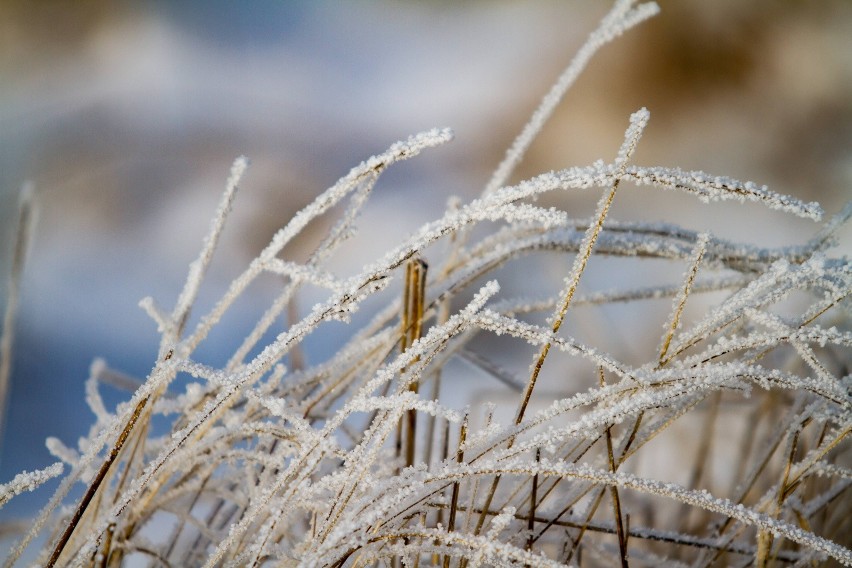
[368, 457]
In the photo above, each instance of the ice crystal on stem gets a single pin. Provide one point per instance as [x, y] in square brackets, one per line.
[369, 457]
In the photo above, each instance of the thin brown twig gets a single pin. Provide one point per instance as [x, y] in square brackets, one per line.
[533, 498]
[577, 271]
[616, 501]
[454, 500]
[96, 483]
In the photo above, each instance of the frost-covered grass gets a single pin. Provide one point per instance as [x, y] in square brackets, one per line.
[365, 458]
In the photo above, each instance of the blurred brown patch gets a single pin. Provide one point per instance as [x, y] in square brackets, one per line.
[32, 30]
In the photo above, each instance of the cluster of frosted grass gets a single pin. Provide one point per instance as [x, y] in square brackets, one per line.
[359, 461]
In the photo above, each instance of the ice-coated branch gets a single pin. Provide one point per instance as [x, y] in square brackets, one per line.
[27, 481]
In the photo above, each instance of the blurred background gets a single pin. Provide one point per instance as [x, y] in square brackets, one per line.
[126, 117]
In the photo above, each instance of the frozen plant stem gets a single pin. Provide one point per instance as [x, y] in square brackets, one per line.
[322, 463]
[23, 237]
[697, 255]
[533, 503]
[637, 124]
[638, 121]
[92, 490]
[199, 267]
[454, 498]
[413, 302]
[616, 501]
[621, 18]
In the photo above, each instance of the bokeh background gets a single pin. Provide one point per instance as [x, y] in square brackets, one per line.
[126, 117]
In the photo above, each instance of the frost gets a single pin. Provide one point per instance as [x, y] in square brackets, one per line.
[369, 456]
[59, 450]
[27, 481]
[621, 18]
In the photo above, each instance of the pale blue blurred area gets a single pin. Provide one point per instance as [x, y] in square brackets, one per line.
[128, 126]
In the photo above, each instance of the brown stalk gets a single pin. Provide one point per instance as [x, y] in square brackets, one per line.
[680, 539]
[445, 448]
[416, 307]
[114, 452]
[765, 538]
[625, 453]
[340, 504]
[745, 489]
[584, 526]
[616, 502]
[594, 506]
[113, 555]
[698, 254]
[454, 501]
[443, 316]
[106, 549]
[583, 254]
[570, 504]
[579, 266]
[96, 483]
[533, 498]
[405, 325]
[792, 483]
[411, 318]
[703, 453]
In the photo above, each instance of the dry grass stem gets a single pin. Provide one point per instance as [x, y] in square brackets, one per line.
[428, 438]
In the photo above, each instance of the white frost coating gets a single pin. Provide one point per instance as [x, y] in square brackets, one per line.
[537, 335]
[367, 172]
[27, 481]
[621, 18]
[673, 322]
[706, 187]
[304, 273]
[96, 442]
[161, 318]
[352, 459]
[717, 188]
[697, 498]
[60, 451]
[398, 151]
[93, 395]
[199, 266]
[364, 454]
[404, 401]
[638, 122]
